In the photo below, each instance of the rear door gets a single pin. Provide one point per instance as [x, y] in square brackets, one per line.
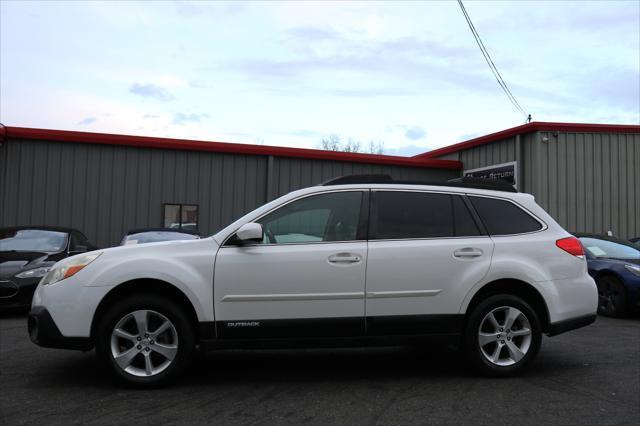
[426, 251]
[305, 279]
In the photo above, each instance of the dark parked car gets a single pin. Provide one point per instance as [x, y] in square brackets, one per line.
[635, 240]
[154, 235]
[615, 265]
[27, 254]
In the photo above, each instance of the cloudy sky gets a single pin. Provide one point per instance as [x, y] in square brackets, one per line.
[407, 74]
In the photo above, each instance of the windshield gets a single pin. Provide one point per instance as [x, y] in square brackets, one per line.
[609, 249]
[32, 240]
[156, 236]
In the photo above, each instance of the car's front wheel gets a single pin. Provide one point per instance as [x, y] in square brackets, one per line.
[145, 340]
[502, 335]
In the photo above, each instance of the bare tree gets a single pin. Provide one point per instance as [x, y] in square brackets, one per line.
[351, 146]
[334, 143]
[376, 147]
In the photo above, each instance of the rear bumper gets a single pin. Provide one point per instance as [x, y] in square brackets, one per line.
[570, 324]
[569, 300]
[44, 332]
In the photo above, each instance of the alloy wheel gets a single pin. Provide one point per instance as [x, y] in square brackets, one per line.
[144, 343]
[504, 336]
[609, 297]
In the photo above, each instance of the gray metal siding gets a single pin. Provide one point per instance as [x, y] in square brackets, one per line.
[504, 151]
[104, 190]
[295, 173]
[589, 182]
[485, 155]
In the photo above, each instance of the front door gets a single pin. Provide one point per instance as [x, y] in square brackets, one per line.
[305, 279]
[426, 252]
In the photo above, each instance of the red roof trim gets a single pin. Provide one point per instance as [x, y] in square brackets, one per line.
[540, 126]
[225, 147]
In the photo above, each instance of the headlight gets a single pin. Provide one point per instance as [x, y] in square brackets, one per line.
[34, 273]
[59, 273]
[634, 269]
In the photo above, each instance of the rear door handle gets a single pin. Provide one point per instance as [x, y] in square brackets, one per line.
[467, 253]
[344, 258]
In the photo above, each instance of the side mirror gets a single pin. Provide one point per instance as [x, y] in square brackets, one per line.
[250, 232]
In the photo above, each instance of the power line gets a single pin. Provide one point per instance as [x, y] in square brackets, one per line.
[490, 62]
[492, 66]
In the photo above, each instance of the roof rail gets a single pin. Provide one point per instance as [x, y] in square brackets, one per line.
[462, 182]
[355, 179]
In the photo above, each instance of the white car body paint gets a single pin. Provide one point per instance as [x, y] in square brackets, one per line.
[289, 281]
[297, 281]
[187, 265]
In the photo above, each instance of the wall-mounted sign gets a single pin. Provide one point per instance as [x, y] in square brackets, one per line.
[505, 171]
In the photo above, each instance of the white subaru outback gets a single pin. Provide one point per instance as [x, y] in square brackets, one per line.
[357, 260]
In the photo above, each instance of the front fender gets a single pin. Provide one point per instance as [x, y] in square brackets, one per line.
[187, 266]
[191, 282]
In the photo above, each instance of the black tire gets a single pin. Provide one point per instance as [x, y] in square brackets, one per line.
[158, 309]
[612, 297]
[499, 305]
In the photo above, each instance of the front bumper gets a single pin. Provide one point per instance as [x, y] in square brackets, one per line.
[44, 332]
[17, 293]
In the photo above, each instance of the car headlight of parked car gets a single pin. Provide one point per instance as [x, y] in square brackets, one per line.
[34, 273]
[70, 268]
[634, 269]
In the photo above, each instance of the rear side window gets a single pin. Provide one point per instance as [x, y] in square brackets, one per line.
[402, 215]
[465, 226]
[503, 217]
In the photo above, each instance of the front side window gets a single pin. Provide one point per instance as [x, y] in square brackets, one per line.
[318, 218]
[75, 242]
[502, 217]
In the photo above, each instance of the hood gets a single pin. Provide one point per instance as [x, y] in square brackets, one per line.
[13, 262]
[159, 246]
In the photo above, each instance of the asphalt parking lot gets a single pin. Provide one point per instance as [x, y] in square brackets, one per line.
[588, 376]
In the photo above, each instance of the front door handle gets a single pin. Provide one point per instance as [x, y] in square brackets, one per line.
[467, 253]
[344, 258]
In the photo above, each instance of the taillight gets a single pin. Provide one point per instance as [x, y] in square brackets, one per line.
[571, 245]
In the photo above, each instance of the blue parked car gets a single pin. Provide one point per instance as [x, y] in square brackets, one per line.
[615, 265]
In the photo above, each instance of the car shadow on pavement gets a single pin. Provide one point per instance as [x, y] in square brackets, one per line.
[225, 367]
[328, 364]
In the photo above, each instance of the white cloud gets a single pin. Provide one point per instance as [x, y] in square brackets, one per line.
[287, 73]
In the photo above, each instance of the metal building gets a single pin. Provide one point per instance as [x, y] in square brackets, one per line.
[587, 176]
[106, 184]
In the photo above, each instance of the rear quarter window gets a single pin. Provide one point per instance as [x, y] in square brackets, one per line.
[502, 217]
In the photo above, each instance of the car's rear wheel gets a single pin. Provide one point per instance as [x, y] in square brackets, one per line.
[612, 297]
[502, 335]
[145, 340]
